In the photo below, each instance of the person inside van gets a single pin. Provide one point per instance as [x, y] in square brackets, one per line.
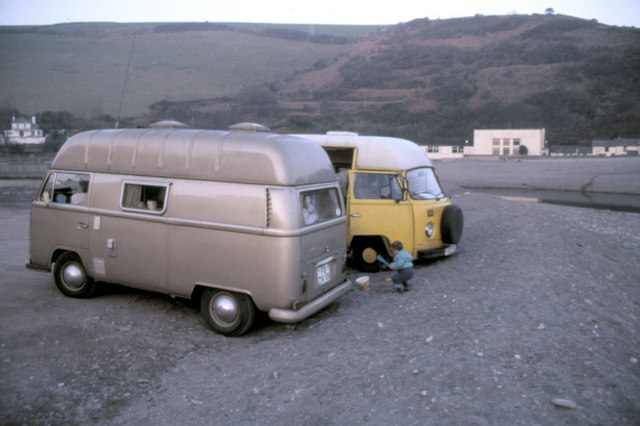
[80, 198]
[309, 210]
[403, 263]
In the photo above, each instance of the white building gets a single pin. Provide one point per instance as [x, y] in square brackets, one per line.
[437, 152]
[618, 146]
[24, 131]
[506, 142]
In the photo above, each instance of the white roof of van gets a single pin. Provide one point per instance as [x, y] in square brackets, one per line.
[261, 157]
[376, 152]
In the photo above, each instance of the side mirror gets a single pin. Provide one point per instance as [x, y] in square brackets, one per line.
[399, 189]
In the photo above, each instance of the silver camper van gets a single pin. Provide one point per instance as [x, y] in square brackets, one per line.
[241, 221]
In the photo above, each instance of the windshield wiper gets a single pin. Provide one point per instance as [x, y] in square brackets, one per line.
[428, 195]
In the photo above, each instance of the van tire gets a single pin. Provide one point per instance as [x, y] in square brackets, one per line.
[71, 277]
[227, 312]
[364, 253]
[452, 224]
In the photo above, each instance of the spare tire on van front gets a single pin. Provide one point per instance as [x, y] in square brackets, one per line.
[452, 224]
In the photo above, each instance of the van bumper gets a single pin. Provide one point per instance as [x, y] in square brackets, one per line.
[447, 250]
[311, 308]
[37, 267]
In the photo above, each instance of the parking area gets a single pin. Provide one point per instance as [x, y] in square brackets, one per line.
[541, 303]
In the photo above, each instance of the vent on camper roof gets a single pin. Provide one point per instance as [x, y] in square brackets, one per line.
[167, 124]
[249, 127]
[340, 133]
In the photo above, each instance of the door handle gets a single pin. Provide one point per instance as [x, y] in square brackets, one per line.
[356, 215]
[82, 226]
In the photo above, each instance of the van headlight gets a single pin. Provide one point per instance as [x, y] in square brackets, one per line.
[428, 230]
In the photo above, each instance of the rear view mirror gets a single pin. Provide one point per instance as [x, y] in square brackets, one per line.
[398, 188]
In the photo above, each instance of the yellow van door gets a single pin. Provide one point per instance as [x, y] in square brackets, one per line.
[378, 213]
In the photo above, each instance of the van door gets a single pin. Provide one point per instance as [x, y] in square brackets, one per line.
[377, 208]
[129, 246]
[59, 217]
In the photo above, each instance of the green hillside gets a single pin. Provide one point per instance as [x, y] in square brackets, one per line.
[81, 67]
[430, 81]
[436, 81]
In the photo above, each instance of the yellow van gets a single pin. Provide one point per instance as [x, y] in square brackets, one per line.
[239, 221]
[392, 193]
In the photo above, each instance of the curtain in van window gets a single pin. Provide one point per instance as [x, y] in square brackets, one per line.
[132, 195]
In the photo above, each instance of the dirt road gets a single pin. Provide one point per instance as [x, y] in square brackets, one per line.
[542, 303]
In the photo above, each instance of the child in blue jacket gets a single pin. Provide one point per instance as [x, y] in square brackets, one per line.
[403, 263]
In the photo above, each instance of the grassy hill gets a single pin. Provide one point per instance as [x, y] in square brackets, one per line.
[431, 81]
[436, 81]
[81, 67]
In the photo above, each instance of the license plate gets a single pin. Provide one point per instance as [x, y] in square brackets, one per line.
[450, 250]
[323, 274]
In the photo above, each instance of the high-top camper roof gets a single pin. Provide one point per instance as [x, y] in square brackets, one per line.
[260, 157]
[376, 152]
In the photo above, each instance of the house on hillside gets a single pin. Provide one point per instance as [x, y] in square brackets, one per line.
[618, 146]
[24, 131]
[508, 142]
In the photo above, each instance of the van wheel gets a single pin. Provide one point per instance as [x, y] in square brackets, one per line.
[227, 312]
[365, 252]
[71, 277]
[452, 224]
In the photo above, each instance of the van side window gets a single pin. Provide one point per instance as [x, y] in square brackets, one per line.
[375, 186]
[66, 188]
[142, 196]
[320, 206]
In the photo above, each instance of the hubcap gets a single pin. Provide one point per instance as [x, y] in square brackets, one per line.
[73, 276]
[225, 309]
[369, 255]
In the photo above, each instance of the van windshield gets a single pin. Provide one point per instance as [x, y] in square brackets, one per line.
[423, 184]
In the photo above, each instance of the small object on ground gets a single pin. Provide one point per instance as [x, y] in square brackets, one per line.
[385, 280]
[363, 282]
[564, 403]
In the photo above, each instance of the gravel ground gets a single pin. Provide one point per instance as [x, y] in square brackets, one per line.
[542, 303]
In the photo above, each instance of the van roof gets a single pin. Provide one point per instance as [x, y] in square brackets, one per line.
[376, 152]
[260, 157]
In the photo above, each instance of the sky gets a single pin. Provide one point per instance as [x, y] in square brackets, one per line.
[344, 12]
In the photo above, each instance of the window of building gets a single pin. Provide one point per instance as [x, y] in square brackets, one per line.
[456, 149]
[516, 142]
[431, 148]
[142, 196]
[496, 142]
[506, 142]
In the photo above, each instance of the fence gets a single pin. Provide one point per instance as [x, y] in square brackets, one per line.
[25, 165]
